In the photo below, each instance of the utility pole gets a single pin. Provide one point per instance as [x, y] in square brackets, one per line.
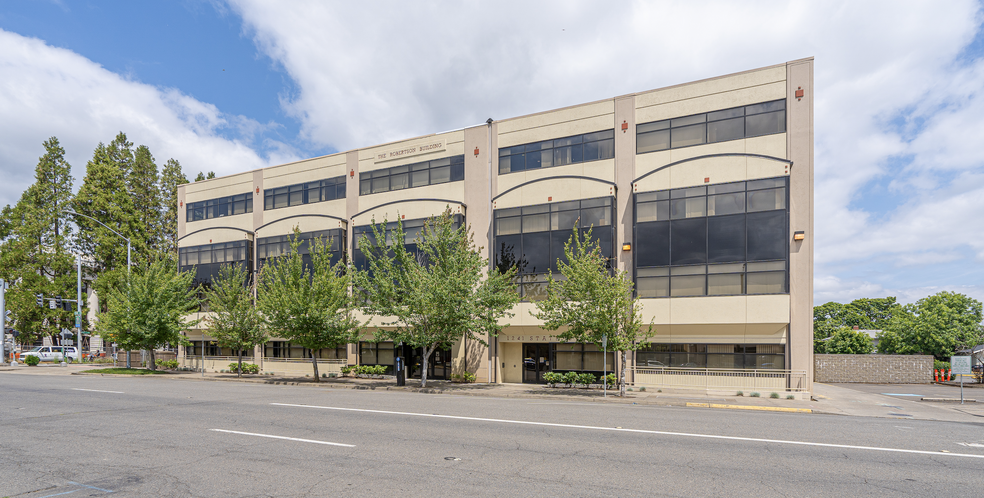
[78, 307]
[3, 313]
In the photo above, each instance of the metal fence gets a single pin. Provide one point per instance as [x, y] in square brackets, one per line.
[717, 379]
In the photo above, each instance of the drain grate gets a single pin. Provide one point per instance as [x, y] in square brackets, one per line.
[453, 459]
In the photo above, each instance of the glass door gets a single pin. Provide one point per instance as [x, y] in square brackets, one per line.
[536, 362]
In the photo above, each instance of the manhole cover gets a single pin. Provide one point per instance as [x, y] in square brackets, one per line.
[453, 459]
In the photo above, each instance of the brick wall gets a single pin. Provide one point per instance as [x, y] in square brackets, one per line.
[873, 368]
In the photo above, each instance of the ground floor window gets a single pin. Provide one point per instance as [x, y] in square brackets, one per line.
[195, 349]
[732, 356]
[376, 353]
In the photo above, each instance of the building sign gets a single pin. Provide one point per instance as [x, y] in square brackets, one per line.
[415, 150]
[527, 338]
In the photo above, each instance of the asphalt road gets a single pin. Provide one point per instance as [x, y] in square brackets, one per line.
[81, 436]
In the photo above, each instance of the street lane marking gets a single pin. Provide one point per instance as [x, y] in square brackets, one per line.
[639, 431]
[97, 391]
[284, 437]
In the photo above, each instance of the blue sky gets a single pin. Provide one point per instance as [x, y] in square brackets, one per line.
[233, 85]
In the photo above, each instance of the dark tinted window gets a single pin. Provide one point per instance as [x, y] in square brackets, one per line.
[217, 208]
[568, 150]
[726, 238]
[766, 235]
[448, 169]
[717, 126]
[688, 244]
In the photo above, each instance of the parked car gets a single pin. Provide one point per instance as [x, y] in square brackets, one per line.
[53, 353]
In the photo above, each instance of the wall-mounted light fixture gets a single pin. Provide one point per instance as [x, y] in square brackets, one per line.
[627, 246]
[800, 235]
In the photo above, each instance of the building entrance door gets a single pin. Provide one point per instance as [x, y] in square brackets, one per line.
[536, 362]
[438, 366]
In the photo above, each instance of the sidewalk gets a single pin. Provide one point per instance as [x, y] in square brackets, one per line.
[861, 400]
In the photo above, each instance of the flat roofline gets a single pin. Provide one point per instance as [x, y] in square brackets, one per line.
[795, 61]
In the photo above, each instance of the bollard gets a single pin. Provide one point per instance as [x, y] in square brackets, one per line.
[949, 375]
[936, 375]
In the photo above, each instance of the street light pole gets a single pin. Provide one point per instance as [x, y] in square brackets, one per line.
[128, 269]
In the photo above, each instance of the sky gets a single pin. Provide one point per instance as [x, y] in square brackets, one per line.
[234, 85]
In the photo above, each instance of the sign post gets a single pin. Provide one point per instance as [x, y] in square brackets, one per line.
[960, 365]
[604, 380]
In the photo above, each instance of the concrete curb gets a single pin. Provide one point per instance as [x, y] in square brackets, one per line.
[747, 407]
[948, 400]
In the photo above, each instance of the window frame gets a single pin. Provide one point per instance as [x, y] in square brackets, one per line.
[707, 119]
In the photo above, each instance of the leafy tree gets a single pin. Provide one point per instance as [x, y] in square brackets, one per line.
[234, 320]
[149, 309]
[211, 174]
[200, 177]
[845, 341]
[440, 294]
[171, 178]
[864, 313]
[937, 325]
[309, 306]
[592, 302]
[35, 248]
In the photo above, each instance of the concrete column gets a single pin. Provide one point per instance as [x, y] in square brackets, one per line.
[799, 143]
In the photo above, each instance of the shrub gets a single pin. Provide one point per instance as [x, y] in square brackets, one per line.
[248, 368]
[348, 370]
[755, 395]
[586, 379]
[570, 378]
[469, 377]
[32, 361]
[941, 365]
[790, 396]
[774, 395]
[553, 378]
[166, 364]
[611, 381]
[741, 393]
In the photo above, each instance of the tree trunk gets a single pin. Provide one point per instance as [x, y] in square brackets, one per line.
[423, 366]
[152, 364]
[314, 361]
[621, 384]
[239, 371]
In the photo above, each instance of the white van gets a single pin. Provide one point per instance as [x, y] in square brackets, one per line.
[53, 353]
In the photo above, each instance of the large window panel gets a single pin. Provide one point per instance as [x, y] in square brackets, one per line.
[765, 124]
[536, 251]
[448, 169]
[722, 204]
[568, 150]
[688, 135]
[726, 238]
[653, 244]
[767, 235]
[767, 200]
[688, 244]
[717, 126]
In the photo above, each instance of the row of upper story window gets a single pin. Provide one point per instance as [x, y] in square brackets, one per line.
[718, 126]
[736, 123]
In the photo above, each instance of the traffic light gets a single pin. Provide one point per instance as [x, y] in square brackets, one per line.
[40, 298]
[58, 302]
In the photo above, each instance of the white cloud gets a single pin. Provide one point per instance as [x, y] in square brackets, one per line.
[47, 91]
[369, 73]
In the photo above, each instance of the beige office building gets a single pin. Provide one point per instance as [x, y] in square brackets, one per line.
[702, 192]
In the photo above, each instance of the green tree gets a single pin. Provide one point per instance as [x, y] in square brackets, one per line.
[234, 321]
[145, 192]
[864, 313]
[937, 325]
[35, 248]
[200, 177]
[440, 294]
[846, 341]
[149, 309]
[105, 196]
[308, 306]
[592, 302]
[171, 178]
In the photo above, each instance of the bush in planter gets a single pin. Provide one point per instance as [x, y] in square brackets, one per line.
[586, 379]
[248, 368]
[611, 381]
[553, 378]
[167, 364]
[570, 378]
[31, 360]
[350, 370]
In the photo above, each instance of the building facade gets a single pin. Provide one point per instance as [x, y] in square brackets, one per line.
[701, 192]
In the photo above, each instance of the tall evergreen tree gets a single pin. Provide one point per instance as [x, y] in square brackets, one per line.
[104, 195]
[171, 178]
[35, 250]
[146, 194]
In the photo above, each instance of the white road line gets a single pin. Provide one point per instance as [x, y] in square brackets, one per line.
[642, 431]
[284, 437]
[97, 391]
